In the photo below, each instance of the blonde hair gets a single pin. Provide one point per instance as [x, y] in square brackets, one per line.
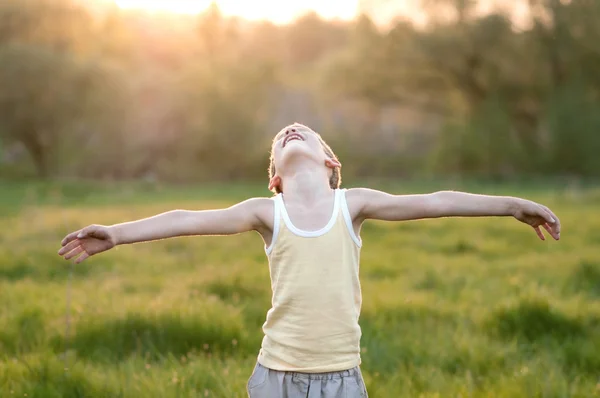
[336, 176]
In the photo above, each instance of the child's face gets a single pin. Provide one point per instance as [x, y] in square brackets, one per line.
[299, 140]
[296, 140]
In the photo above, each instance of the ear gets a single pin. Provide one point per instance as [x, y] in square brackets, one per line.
[274, 182]
[332, 163]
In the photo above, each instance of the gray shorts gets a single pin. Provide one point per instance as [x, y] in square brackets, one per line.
[268, 383]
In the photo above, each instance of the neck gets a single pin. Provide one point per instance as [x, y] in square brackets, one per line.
[306, 183]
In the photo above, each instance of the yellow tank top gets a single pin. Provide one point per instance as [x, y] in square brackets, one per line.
[313, 323]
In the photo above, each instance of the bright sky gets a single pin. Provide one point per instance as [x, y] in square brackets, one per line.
[283, 11]
[278, 11]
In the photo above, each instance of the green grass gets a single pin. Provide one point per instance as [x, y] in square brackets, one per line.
[451, 307]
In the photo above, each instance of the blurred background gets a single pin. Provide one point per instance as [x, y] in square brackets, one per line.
[118, 110]
[194, 91]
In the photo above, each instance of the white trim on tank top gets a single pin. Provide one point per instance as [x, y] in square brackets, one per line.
[276, 218]
[280, 210]
[348, 219]
[311, 234]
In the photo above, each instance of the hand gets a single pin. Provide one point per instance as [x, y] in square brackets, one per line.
[87, 242]
[537, 216]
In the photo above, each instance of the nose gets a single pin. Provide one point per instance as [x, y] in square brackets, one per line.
[290, 130]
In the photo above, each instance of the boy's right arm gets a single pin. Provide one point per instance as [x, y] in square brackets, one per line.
[251, 215]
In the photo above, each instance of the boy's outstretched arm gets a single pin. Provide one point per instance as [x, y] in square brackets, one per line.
[250, 215]
[372, 204]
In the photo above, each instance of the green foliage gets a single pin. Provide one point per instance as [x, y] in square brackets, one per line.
[573, 120]
[89, 90]
[152, 336]
[58, 97]
[585, 279]
[532, 320]
[472, 307]
[220, 119]
[39, 79]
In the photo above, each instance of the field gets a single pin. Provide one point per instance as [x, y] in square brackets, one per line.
[451, 308]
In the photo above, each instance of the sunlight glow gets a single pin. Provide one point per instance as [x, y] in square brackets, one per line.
[176, 6]
[277, 11]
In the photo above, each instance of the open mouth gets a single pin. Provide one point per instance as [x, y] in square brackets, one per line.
[292, 137]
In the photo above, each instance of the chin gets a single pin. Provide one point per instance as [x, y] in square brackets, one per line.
[293, 153]
[295, 148]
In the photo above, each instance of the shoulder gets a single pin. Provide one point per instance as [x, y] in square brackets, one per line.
[258, 205]
[357, 192]
[359, 195]
[367, 203]
[262, 209]
[259, 201]
[356, 198]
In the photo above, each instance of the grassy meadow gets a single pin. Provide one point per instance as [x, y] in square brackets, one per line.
[451, 307]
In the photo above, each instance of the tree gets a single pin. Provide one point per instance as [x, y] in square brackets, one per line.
[59, 25]
[53, 83]
[44, 96]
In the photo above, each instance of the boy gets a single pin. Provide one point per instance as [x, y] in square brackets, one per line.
[311, 231]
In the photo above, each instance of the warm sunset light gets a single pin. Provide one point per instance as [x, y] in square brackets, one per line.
[275, 10]
[177, 6]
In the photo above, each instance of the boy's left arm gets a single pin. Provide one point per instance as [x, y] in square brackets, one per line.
[367, 203]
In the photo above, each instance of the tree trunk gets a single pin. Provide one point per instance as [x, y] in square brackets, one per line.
[38, 154]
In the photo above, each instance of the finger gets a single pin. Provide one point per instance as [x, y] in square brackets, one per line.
[548, 228]
[539, 233]
[69, 238]
[90, 232]
[74, 253]
[83, 256]
[549, 211]
[556, 225]
[84, 233]
[547, 215]
[70, 246]
[551, 231]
